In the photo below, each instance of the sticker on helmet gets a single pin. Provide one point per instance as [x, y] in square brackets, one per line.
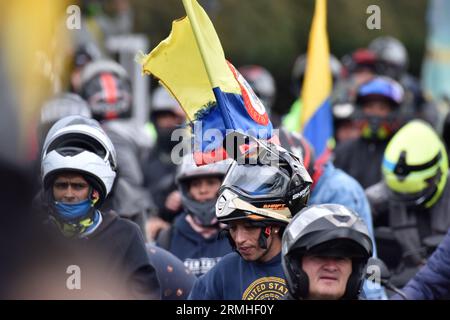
[252, 103]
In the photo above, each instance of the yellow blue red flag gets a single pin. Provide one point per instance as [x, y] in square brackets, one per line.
[191, 64]
[316, 118]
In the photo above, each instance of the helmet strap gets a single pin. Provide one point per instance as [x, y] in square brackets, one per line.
[265, 233]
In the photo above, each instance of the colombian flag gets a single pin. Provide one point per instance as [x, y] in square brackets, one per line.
[316, 117]
[191, 64]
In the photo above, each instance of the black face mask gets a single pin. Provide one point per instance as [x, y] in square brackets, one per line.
[163, 140]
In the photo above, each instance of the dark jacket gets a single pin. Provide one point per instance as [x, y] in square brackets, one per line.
[234, 278]
[159, 179]
[197, 253]
[416, 232]
[433, 280]
[361, 159]
[112, 261]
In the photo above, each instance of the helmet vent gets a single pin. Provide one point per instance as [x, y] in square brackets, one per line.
[341, 218]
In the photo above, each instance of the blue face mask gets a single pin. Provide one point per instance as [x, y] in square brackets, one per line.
[73, 211]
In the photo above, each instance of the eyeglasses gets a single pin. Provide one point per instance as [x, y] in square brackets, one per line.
[74, 185]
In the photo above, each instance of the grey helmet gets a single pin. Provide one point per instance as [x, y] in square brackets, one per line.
[202, 212]
[162, 101]
[330, 230]
[392, 54]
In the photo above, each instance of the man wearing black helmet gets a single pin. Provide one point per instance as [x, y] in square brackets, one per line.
[325, 252]
[378, 117]
[256, 202]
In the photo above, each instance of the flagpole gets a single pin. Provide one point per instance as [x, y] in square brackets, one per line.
[196, 30]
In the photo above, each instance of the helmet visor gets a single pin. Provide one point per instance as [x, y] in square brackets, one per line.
[257, 181]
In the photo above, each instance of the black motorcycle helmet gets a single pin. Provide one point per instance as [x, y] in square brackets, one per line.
[264, 193]
[329, 230]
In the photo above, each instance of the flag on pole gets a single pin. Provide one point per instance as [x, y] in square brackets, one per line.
[191, 64]
[316, 118]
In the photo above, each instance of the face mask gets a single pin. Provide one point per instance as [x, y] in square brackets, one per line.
[72, 211]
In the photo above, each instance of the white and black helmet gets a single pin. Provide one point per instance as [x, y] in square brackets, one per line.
[79, 144]
[203, 212]
[328, 230]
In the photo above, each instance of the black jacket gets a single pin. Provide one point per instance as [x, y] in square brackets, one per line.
[112, 263]
[361, 159]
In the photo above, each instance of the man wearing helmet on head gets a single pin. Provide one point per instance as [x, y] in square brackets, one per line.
[256, 201]
[166, 116]
[332, 185]
[54, 109]
[193, 237]
[392, 61]
[106, 87]
[378, 118]
[413, 198]
[78, 171]
[325, 252]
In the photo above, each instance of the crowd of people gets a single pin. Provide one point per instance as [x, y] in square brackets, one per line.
[109, 198]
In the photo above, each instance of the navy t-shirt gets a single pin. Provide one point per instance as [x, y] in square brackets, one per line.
[198, 254]
[233, 278]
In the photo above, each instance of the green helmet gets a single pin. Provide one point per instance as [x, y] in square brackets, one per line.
[415, 165]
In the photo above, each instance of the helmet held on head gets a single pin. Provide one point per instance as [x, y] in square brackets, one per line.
[415, 165]
[327, 230]
[265, 192]
[78, 144]
[271, 190]
[202, 212]
[379, 89]
[106, 86]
